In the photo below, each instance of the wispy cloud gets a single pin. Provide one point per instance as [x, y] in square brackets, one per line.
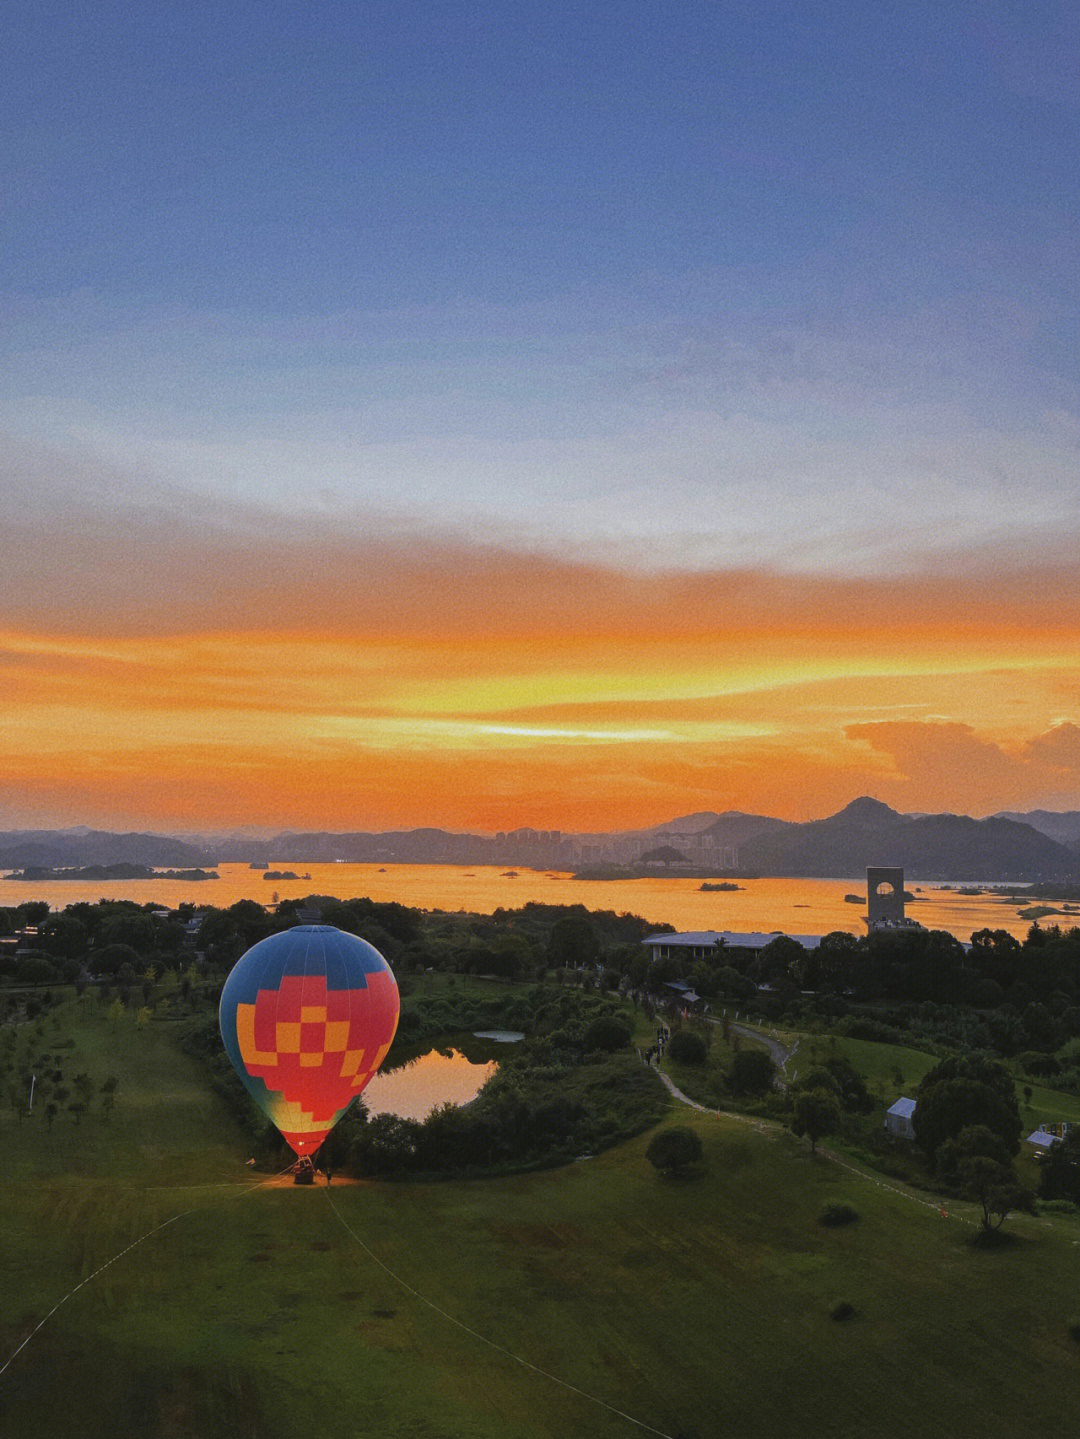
[216, 663]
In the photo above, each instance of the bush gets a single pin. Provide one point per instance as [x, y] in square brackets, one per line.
[752, 1072]
[834, 1215]
[1073, 1328]
[686, 1047]
[607, 1033]
[1055, 1206]
[674, 1150]
[843, 1311]
[1034, 1061]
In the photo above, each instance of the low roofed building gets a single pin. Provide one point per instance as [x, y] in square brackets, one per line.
[898, 1118]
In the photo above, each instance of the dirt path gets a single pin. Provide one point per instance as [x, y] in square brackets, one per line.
[772, 1129]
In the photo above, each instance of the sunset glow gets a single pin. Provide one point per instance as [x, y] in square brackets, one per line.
[663, 695]
[489, 418]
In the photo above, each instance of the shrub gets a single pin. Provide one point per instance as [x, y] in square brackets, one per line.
[674, 1150]
[1073, 1328]
[607, 1033]
[834, 1215]
[843, 1311]
[686, 1047]
[1034, 1061]
[752, 1072]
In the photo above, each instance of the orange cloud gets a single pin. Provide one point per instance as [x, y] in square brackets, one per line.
[172, 670]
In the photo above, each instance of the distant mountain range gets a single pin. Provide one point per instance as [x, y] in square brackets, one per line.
[933, 846]
[1025, 848]
[1064, 827]
[57, 849]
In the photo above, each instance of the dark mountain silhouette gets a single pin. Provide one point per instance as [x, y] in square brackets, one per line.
[701, 820]
[865, 832]
[55, 849]
[933, 846]
[1062, 826]
[733, 828]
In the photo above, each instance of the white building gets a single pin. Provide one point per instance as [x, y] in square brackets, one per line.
[898, 1119]
[705, 943]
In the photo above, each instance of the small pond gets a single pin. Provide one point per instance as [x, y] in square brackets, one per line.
[453, 1072]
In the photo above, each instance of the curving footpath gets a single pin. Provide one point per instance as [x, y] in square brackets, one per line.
[772, 1129]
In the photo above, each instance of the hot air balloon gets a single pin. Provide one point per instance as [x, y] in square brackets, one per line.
[307, 1017]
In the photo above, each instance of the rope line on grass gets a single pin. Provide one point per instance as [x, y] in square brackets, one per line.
[475, 1333]
[246, 1189]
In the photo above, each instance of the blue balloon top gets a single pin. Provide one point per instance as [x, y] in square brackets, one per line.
[317, 949]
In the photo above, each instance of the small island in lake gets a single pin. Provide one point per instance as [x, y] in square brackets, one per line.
[284, 874]
[724, 887]
[101, 872]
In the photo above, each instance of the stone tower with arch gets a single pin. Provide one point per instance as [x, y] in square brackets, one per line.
[885, 896]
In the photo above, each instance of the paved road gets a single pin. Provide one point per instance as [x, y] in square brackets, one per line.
[780, 1055]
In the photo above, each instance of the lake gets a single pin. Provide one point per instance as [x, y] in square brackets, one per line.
[796, 906]
[453, 1073]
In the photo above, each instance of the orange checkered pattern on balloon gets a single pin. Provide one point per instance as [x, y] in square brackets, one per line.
[306, 1042]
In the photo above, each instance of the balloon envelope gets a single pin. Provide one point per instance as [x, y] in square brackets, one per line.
[307, 1017]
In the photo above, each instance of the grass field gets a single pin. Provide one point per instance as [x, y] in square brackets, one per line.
[700, 1307]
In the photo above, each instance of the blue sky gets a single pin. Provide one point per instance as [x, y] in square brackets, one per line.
[702, 285]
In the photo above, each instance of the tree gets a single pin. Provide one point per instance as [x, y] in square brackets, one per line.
[64, 936]
[573, 941]
[963, 1090]
[34, 968]
[815, 1115]
[130, 928]
[1060, 1170]
[820, 1078]
[994, 1187]
[752, 1072]
[781, 962]
[686, 1047]
[108, 959]
[976, 1141]
[607, 1033]
[673, 1150]
[837, 957]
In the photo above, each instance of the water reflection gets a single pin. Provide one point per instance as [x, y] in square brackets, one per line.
[441, 1076]
[799, 906]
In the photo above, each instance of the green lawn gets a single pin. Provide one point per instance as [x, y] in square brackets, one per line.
[699, 1307]
[877, 1064]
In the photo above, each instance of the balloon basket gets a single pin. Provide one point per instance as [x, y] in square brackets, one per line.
[303, 1171]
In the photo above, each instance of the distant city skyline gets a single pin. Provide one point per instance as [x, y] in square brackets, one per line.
[496, 414]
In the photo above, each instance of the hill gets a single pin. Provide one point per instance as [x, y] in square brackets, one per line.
[66, 849]
[256, 1311]
[1062, 826]
[935, 846]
